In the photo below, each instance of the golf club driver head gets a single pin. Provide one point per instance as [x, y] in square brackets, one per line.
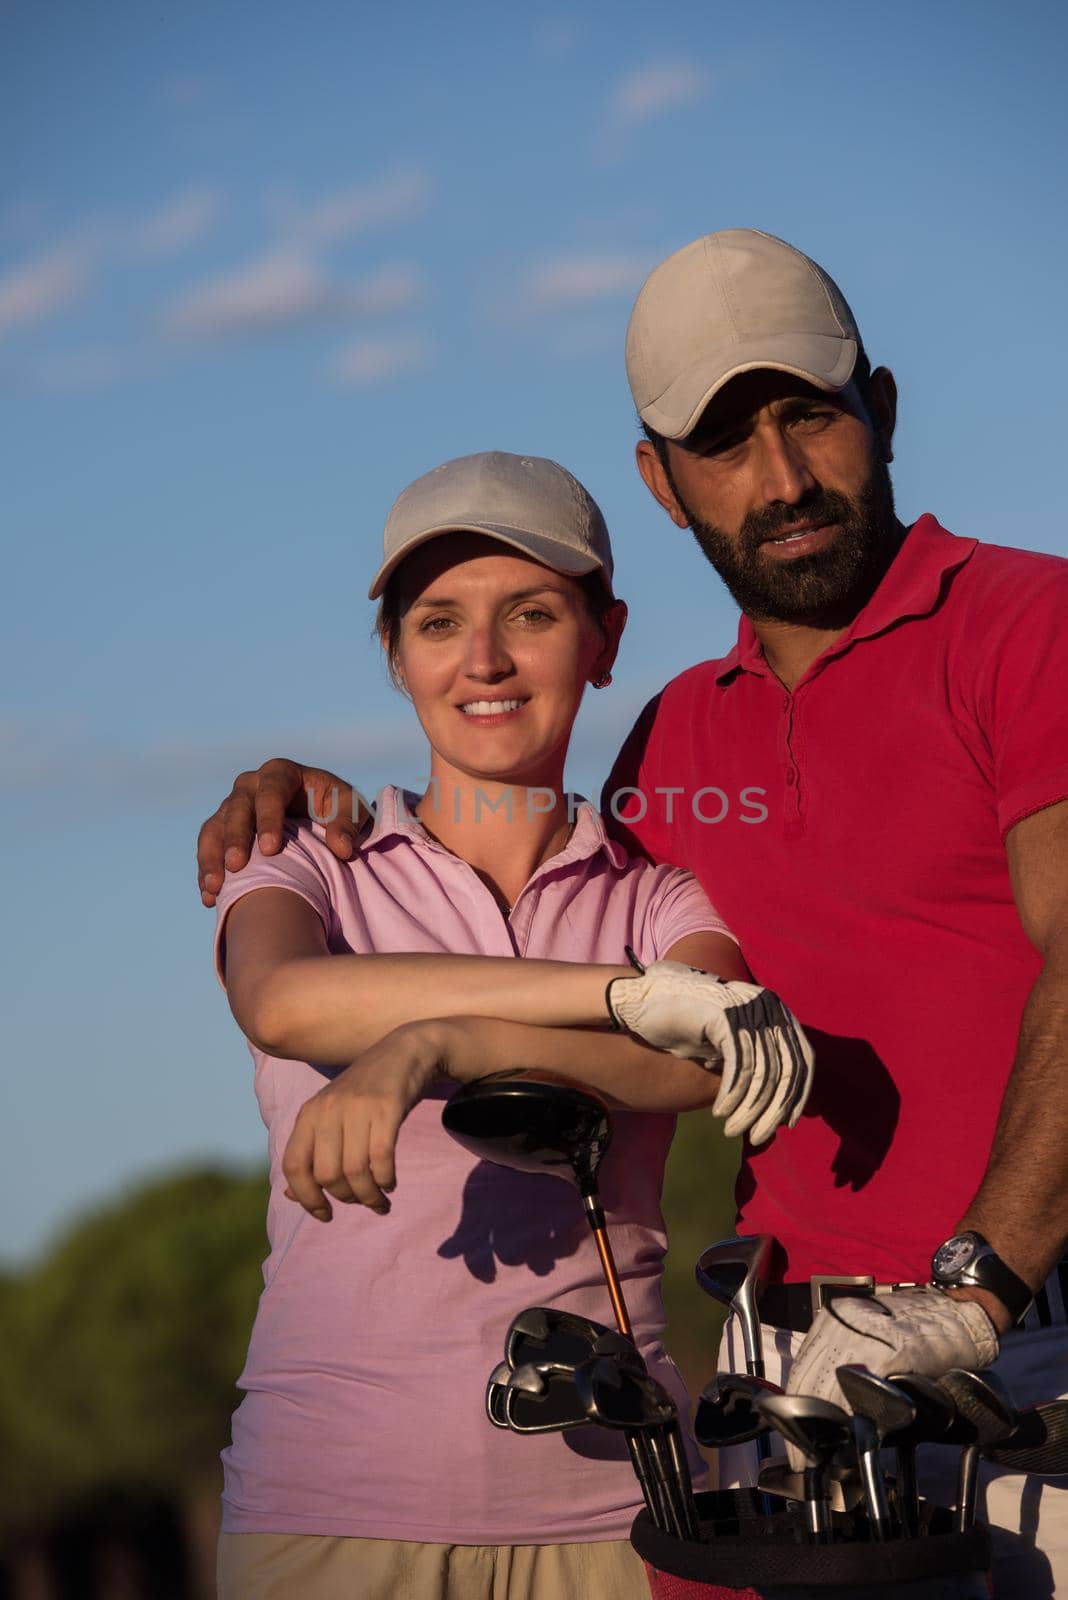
[532, 1122]
[565, 1338]
[734, 1271]
[726, 1413]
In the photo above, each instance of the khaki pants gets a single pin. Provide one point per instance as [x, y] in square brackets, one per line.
[297, 1566]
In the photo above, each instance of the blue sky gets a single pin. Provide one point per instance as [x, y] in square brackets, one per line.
[261, 265]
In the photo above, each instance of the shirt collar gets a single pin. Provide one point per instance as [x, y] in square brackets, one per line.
[928, 556]
[395, 819]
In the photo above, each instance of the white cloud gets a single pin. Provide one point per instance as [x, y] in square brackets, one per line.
[286, 287]
[397, 197]
[44, 286]
[581, 280]
[368, 362]
[278, 289]
[176, 224]
[653, 90]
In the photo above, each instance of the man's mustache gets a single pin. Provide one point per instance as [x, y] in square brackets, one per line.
[824, 505]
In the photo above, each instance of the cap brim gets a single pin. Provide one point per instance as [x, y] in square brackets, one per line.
[826, 362]
[558, 557]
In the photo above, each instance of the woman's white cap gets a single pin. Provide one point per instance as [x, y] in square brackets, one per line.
[528, 502]
[729, 303]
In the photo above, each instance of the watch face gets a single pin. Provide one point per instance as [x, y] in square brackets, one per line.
[954, 1255]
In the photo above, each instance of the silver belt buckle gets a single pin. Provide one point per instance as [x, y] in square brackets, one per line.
[831, 1280]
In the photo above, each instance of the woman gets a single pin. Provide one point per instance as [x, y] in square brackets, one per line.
[362, 1462]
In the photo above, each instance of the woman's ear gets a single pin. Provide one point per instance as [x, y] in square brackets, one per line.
[611, 624]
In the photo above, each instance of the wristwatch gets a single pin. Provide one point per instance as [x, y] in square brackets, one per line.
[968, 1261]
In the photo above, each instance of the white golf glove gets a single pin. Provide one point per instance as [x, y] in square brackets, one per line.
[744, 1029]
[911, 1330]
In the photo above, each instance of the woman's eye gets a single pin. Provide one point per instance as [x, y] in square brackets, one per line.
[534, 614]
[436, 625]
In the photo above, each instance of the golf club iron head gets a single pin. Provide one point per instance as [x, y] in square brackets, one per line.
[725, 1412]
[565, 1338]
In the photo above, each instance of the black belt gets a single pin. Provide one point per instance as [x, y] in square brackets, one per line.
[793, 1305]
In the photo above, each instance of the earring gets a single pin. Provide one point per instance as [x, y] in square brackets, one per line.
[603, 681]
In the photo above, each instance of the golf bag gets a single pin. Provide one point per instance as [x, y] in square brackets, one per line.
[744, 1555]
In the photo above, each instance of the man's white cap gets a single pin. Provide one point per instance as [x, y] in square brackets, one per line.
[729, 303]
[527, 502]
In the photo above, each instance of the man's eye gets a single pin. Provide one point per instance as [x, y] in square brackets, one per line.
[816, 417]
[722, 445]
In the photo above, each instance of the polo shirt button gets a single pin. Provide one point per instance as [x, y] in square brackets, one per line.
[791, 776]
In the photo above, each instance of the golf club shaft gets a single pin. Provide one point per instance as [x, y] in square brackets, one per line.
[908, 1494]
[966, 1486]
[817, 1511]
[681, 1470]
[595, 1217]
[643, 1471]
[874, 1489]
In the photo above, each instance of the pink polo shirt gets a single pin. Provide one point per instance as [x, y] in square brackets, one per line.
[852, 832]
[374, 1338]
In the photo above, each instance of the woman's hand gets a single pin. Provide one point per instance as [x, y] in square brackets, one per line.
[344, 1140]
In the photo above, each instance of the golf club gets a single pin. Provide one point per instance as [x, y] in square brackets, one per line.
[618, 1397]
[889, 1411]
[934, 1415]
[734, 1271]
[540, 1122]
[870, 1415]
[983, 1404]
[1038, 1444]
[495, 1395]
[540, 1397]
[547, 1333]
[725, 1412]
[817, 1428]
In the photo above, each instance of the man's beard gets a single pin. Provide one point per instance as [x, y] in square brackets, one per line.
[825, 589]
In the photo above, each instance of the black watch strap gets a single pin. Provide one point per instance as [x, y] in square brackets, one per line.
[980, 1268]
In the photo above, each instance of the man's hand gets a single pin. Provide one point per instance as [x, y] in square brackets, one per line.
[257, 807]
[344, 1140]
[746, 1030]
[911, 1330]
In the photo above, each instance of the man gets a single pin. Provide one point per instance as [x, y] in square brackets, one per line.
[894, 715]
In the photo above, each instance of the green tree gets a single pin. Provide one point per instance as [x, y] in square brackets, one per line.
[122, 1347]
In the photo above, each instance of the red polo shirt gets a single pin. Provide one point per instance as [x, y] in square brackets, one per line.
[852, 835]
